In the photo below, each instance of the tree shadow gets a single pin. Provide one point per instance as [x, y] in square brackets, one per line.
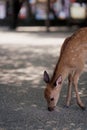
[22, 103]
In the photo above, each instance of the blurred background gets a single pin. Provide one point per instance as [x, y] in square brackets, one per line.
[31, 35]
[47, 13]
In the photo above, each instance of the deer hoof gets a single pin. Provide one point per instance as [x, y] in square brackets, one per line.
[83, 108]
[66, 106]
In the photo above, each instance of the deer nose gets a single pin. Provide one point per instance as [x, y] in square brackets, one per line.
[51, 108]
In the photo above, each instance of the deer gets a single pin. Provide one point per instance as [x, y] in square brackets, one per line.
[70, 65]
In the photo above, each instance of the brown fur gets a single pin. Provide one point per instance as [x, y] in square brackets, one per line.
[72, 52]
[71, 63]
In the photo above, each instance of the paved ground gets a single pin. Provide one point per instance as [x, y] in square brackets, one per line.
[23, 58]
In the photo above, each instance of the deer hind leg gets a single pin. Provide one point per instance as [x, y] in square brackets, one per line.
[75, 82]
[69, 93]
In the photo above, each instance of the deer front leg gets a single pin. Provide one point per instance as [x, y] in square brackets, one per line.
[75, 82]
[68, 98]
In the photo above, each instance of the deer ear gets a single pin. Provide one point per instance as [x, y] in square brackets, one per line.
[58, 81]
[46, 77]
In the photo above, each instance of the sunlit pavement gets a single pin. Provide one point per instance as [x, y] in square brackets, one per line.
[23, 58]
[38, 38]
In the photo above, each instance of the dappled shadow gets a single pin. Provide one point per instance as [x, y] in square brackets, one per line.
[24, 63]
[22, 104]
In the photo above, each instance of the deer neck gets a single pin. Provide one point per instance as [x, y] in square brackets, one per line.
[62, 70]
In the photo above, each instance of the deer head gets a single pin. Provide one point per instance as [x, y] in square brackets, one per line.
[52, 90]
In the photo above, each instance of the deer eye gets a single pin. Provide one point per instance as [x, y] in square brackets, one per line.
[52, 99]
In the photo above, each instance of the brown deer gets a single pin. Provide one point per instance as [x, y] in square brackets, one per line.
[71, 62]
